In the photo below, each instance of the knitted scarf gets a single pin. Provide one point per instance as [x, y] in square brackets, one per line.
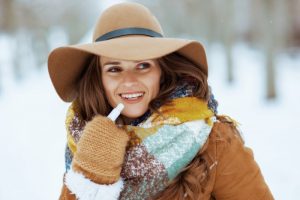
[160, 145]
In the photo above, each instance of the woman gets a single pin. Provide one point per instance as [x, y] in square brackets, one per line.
[168, 142]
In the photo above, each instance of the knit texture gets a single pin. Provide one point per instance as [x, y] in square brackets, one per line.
[159, 148]
[100, 151]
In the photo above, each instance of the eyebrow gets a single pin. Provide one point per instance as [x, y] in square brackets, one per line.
[111, 63]
[117, 63]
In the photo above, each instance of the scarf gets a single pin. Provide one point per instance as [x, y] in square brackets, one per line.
[160, 144]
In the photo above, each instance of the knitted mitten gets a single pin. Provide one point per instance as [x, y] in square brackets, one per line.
[100, 151]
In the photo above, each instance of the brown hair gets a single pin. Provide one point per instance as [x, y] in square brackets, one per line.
[91, 100]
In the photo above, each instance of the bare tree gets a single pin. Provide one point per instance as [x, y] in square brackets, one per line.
[29, 22]
[267, 24]
[274, 28]
[226, 31]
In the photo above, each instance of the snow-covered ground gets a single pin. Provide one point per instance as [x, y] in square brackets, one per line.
[33, 135]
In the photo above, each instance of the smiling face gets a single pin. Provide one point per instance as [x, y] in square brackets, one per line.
[133, 83]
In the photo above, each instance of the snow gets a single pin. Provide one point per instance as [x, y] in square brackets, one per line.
[33, 134]
[271, 128]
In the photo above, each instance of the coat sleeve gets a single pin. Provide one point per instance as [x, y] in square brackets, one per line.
[66, 194]
[237, 174]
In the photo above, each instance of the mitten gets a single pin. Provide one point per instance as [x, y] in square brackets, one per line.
[100, 151]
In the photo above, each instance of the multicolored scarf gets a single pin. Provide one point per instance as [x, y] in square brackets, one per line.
[160, 145]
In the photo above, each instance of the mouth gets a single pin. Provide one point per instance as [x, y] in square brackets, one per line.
[132, 96]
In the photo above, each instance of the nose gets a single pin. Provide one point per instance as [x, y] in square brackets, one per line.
[129, 79]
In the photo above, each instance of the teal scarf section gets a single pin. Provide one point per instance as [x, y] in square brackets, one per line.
[163, 146]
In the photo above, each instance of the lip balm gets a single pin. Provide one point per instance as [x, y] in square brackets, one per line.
[114, 114]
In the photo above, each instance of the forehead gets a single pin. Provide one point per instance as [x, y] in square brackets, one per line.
[107, 60]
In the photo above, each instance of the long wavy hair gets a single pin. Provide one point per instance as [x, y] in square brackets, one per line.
[190, 182]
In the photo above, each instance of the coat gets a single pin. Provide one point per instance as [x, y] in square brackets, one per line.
[233, 172]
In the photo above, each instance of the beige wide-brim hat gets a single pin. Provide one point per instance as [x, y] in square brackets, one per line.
[126, 31]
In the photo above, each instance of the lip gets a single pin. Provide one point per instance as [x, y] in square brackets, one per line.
[132, 101]
[131, 92]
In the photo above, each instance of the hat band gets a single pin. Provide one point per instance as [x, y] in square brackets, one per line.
[128, 31]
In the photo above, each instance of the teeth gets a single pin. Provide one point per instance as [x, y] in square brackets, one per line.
[128, 96]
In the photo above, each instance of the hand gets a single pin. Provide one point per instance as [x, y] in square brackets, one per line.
[100, 151]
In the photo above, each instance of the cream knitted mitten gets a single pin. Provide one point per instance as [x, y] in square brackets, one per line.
[100, 151]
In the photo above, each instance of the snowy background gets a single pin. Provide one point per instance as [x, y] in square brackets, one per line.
[33, 134]
[32, 118]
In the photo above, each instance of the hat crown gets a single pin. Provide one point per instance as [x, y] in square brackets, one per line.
[126, 15]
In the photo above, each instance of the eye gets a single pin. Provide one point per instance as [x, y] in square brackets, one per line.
[114, 69]
[144, 65]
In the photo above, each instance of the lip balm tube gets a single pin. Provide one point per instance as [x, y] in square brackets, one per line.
[114, 114]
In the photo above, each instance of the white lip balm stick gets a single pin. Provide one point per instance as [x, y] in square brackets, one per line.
[114, 114]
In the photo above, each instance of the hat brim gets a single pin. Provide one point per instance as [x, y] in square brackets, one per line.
[65, 64]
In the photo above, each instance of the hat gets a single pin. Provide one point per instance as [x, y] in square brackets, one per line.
[125, 31]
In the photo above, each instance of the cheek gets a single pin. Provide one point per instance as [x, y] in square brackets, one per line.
[105, 84]
[154, 83]
[156, 86]
[109, 88]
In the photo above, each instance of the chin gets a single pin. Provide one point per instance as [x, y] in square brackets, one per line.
[134, 113]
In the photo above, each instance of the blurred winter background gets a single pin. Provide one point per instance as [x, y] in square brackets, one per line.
[254, 62]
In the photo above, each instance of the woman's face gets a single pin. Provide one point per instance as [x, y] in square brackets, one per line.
[133, 83]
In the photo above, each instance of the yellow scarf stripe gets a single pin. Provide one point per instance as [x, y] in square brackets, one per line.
[133, 130]
[69, 118]
[182, 110]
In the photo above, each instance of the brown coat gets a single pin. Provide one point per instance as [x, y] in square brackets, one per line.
[233, 175]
